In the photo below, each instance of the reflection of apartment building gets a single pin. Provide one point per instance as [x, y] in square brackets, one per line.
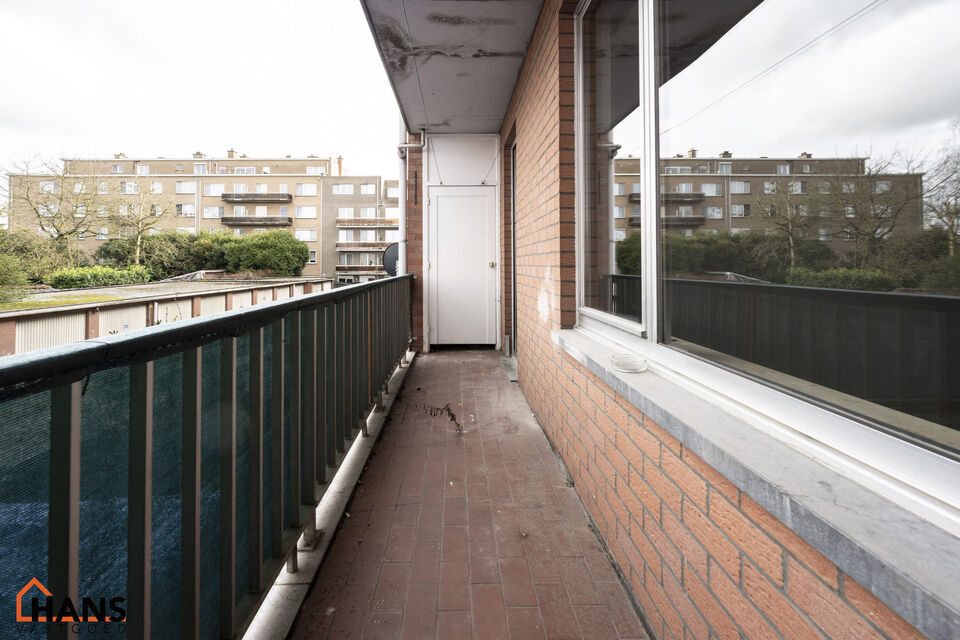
[235, 194]
[834, 200]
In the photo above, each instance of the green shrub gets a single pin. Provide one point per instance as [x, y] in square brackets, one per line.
[944, 277]
[39, 256]
[274, 251]
[12, 279]
[97, 276]
[857, 279]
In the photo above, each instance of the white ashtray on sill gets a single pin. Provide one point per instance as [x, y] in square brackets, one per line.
[628, 363]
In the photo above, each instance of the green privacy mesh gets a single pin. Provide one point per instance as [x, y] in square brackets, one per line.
[167, 502]
[210, 492]
[104, 447]
[24, 495]
[243, 468]
[267, 437]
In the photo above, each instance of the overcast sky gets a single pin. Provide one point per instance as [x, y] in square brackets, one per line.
[890, 79]
[148, 78]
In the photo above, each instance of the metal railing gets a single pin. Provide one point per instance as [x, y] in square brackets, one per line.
[176, 467]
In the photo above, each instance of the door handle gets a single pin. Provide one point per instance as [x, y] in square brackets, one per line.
[492, 264]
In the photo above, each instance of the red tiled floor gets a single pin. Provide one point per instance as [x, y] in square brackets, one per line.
[459, 536]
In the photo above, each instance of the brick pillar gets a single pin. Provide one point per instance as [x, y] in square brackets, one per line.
[151, 312]
[8, 336]
[92, 324]
[307, 288]
[274, 290]
[195, 307]
[414, 207]
[229, 302]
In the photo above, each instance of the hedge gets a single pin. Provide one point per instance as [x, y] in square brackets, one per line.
[858, 279]
[98, 276]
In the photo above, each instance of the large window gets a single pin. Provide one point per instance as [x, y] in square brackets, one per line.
[835, 289]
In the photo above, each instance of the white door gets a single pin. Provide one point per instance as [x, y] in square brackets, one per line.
[462, 276]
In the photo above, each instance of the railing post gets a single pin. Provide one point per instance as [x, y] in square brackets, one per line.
[340, 311]
[309, 426]
[255, 426]
[330, 384]
[63, 534]
[296, 409]
[228, 483]
[190, 496]
[140, 499]
[276, 439]
[320, 435]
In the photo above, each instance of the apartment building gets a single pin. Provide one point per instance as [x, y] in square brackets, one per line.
[367, 219]
[833, 200]
[234, 194]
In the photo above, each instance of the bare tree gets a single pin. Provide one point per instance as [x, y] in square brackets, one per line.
[870, 202]
[140, 209]
[41, 195]
[784, 203]
[943, 190]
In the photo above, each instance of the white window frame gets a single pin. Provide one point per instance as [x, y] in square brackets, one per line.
[342, 189]
[368, 189]
[742, 187]
[313, 257]
[304, 209]
[156, 187]
[186, 187]
[311, 235]
[924, 482]
[143, 169]
[306, 189]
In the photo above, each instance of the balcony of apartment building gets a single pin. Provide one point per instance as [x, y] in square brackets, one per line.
[259, 216]
[208, 472]
[258, 197]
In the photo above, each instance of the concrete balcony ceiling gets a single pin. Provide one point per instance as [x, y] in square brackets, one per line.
[453, 64]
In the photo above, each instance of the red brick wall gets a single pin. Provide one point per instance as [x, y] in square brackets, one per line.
[414, 212]
[703, 559]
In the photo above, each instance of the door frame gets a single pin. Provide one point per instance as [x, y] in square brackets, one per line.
[491, 180]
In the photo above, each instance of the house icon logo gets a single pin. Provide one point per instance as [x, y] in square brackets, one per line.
[20, 594]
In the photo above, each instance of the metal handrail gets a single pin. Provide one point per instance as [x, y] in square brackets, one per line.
[26, 373]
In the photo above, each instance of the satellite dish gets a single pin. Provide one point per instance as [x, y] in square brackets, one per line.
[390, 256]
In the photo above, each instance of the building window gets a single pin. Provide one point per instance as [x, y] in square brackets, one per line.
[739, 210]
[635, 188]
[156, 187]
[117, 168]
[244, 171]
[186, 210]
[798, 188]
[282, 187]
[739, 187]
[368, 189]
[849, 211]
[676, 170]
[783, 169]
[313, 257]
[212, 212]
[265, 170]
[187, 187]
[341, 189]
[238, 232]
[239, 210]
[392, 213]
[849, 235]
[79, 187]
[345, 259]
[129, 188]
[713, 213]
[806, 168]
[712, 189]
[103, 233]
[684, 187]
[260, 187]
[156, 210]
[239, 187]
[102, 188]
[824, 235]
[213, 189]
[391, 235]
[316, 171]
[769, 188]
[725, 168]
[283, 210]
[685, 211]
[260, 210]
[306, 235]
[179, 167]
[619, 234]
[619, 189]
[143, 169]
[393, 192]
[49, 186]
[368, 212]
[882, 186]
[618, 211]
[200, 168]
[344, 212]
[306, 212]
[848, 187]
[308, 189]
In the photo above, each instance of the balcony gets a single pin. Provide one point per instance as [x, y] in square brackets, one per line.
[256, 221]
[675, 197]
[681, 221]
[217, 457]
[368, 222]
[240, 198]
